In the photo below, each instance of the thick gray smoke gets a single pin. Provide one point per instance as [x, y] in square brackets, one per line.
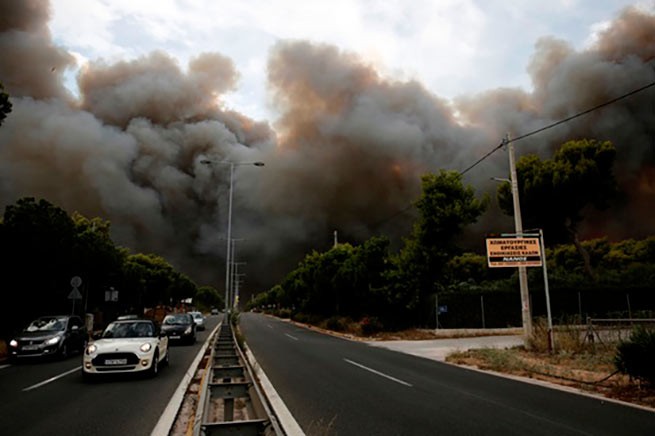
[346, 153]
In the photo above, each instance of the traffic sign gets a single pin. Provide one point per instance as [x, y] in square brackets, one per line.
[76, 281]
[513, 252]
[75, 294]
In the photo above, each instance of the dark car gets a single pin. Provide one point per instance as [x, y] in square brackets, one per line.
[50, 336]
[180, 327]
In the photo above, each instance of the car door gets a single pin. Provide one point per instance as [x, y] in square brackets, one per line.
[77, 333]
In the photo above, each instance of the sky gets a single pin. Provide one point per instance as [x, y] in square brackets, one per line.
[117, 104]
[453, 47]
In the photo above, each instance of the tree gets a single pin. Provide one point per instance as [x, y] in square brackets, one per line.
[209, 297]
[446, 206]
[555, 192]
[5, 104]
[37, 244]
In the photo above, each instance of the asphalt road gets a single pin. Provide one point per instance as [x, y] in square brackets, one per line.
[334, 386]
[49, 398]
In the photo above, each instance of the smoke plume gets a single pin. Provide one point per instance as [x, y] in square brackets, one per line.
[346, 153]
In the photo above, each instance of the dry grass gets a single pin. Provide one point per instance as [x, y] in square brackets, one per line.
[575, 363]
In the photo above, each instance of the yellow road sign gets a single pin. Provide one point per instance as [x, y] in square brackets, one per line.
[513, 252]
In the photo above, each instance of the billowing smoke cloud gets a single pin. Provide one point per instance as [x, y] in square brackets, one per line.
[346, 153]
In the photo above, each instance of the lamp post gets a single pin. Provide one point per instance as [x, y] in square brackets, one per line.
[229, 223]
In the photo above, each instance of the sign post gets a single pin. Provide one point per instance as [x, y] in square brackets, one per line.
[522, 250]
[75, 293]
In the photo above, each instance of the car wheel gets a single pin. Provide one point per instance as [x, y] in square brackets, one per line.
[154, 368]
[86, 377]
[63, 350]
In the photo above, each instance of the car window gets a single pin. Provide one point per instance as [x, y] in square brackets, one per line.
[179, 318]
[47, 324]
[129, 330]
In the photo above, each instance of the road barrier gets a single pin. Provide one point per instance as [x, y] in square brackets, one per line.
[231, 401]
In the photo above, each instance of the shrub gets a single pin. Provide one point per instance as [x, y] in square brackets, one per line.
[370, 325]
[336, 324]
[636, 356]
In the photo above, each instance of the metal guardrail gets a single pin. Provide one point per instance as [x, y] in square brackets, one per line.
[231, 402]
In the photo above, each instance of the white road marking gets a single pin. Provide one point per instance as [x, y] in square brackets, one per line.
[292, 337]
[381, 374]
[4, 366]
[269, 326]
[50, 380]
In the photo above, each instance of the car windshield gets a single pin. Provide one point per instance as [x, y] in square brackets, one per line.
[129, 330]
[176, 319]
[47, 324]
[197, 315]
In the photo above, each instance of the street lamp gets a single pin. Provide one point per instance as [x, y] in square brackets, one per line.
[229, 222]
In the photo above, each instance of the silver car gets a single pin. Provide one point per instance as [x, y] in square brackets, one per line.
[199, 319]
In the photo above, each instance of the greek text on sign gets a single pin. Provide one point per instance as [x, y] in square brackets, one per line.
[513, 252]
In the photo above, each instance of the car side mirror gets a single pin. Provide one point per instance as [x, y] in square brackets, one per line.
[163, 334]
[96, 335]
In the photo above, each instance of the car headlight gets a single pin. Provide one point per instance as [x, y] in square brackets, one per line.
[145, 347]
[188, 331]
[52, 341]
[91, 349]
[13, 343]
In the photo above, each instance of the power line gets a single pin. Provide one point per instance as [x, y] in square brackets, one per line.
[526, 135]
[557, 123]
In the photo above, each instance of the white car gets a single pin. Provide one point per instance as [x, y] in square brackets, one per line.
[126, 346]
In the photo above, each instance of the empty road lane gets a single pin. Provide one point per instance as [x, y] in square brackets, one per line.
[340, 387]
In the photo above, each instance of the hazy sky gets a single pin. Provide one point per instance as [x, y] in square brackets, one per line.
[453, 47]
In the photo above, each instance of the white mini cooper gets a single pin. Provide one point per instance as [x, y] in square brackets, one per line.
[126, 346]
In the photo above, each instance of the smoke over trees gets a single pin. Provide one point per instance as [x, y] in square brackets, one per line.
[347, 152]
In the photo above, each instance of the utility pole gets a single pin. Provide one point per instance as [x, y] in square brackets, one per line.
[518, 226]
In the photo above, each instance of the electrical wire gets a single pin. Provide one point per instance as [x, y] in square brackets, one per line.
[557, 123]
[527, 135]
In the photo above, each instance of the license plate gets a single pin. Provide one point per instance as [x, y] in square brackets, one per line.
[30, 347]
[115, 361]
[175, 337]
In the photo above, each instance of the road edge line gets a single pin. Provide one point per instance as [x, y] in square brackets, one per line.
[284, 416]
[167, 418]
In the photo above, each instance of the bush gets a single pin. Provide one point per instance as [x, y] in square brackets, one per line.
[370, 325]
[336, 324]
[636, 356]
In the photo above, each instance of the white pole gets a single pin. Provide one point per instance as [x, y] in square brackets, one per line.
[551, 341]
[518, 224]
[229, 243]
[436, 307]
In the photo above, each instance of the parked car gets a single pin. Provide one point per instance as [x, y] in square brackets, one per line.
[214, 311]
[127, 346]
[199, 319]
[180, 327]
[50, 336]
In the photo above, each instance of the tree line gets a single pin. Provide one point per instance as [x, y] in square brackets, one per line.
[378, 288]
[43, 247]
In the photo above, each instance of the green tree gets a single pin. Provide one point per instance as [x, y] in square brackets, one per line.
[208, 297]
[446, 207]
[5, 104]
[554, 193]
[37, 241]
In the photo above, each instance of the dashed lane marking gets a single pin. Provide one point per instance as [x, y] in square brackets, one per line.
[381, 374]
